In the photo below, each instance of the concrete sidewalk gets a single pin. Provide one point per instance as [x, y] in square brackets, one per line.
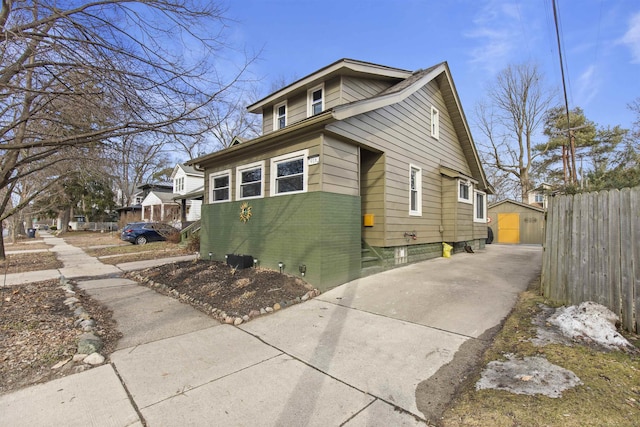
[77, 264]
[355, 356]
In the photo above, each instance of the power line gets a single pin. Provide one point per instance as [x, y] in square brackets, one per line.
[567, 151]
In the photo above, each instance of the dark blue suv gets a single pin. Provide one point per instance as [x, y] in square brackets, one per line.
[140, 233]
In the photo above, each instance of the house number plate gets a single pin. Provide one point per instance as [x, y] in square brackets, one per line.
[313, 160]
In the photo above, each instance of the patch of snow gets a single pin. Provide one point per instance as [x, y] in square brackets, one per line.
[530, 376]
[590, 322]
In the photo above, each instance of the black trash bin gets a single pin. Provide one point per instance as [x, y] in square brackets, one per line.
[31, 233]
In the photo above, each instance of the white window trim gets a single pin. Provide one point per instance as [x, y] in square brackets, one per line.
[310, 99]
[218, 175]
[475, 211]
[435, 122]
[243, 168]
[460, 198]
[417, 212]
[275, 115]
[274, 171]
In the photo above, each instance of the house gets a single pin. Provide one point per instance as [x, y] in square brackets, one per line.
[515, 222]
[158, 204]
[538, 196]
[133, 212]
[358, 165]
[188, 190]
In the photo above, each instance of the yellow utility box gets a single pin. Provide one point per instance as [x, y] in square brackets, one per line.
[368, 220]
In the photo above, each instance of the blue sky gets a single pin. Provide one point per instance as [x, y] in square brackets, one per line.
[478, 38]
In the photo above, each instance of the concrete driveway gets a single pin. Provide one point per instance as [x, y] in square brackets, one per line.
[357, 355]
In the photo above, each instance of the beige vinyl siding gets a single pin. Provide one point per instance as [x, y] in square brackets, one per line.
[312, 143]
[332, 93]
[340, 167]
[372, 190]
[355, 89]
[403, 132]
[267, 120]
[297, 105]
[449, 208]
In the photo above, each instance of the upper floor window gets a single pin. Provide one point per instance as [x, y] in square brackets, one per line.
[464, 191]
[480, 207]
[250, 181]
[539, 198]
[415, 190]
[219, 187]
[435, 123]
[288, 173]
[280, 116]
[178, 185]
[315, 100]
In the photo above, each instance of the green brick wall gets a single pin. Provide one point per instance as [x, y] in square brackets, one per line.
[320, 230]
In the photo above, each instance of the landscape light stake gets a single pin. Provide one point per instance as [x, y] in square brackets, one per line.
[210, 256]
[281, 265]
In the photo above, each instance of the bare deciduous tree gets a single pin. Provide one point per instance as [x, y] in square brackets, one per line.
[510, 120]
[78, 73]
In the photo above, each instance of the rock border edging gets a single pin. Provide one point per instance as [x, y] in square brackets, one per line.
[89, 344]
[214, 312]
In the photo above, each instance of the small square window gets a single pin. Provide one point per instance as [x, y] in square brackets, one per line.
[219, 187]
[250, 181]
[435, 123]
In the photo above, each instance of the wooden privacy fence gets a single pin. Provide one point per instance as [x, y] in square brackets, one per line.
[592, 252]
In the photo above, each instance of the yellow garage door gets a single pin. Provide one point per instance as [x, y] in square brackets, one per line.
[508, 228]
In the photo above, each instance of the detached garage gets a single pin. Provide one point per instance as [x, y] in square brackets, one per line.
[515, 222]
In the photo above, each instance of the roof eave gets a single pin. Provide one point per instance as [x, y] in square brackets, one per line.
[302, 126]
[313, 78]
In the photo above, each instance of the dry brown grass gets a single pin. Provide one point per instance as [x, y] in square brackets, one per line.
[609, 396]
[20, 263]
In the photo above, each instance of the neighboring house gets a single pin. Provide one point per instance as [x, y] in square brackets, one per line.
[188, 190]
[538, 196]
[158, 204]
[358, 163]
[515, 222]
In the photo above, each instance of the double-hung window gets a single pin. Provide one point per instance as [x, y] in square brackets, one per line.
[219, 184]
[178, 185]
[435, 123]
[289, 173]
[250, 181]
[315, 100]
[480, 207]
[280, 116]
[464, 191]
[415, 190]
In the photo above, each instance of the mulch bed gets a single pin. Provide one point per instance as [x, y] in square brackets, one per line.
[214, 285]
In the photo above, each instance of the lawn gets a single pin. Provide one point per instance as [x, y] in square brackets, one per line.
[609, 395]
